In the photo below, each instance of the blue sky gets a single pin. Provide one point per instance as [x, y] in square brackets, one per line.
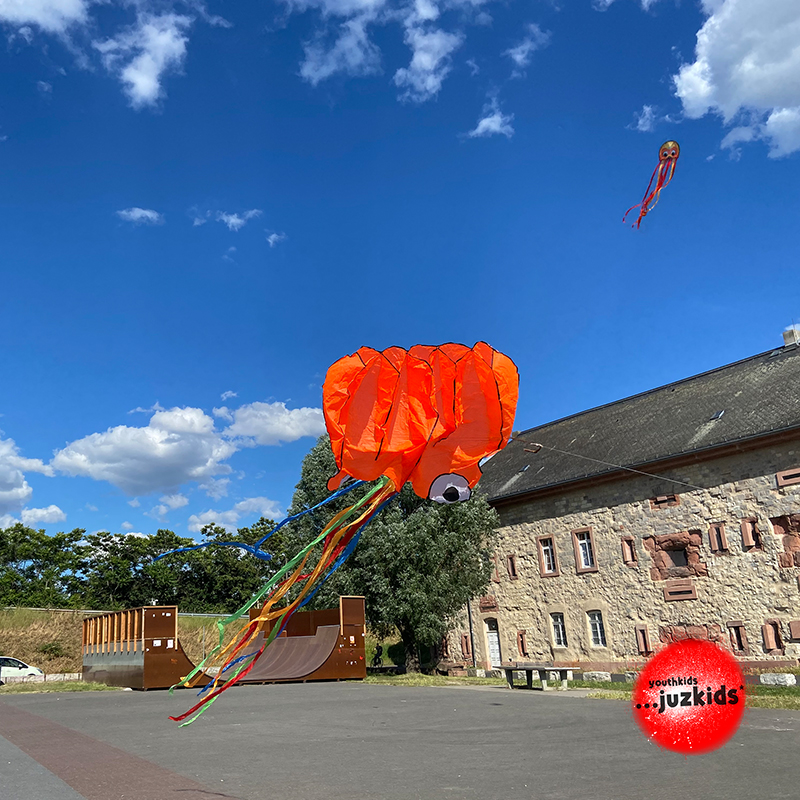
[204, 206]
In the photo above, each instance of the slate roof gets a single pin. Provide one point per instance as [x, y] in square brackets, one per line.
[758, 395]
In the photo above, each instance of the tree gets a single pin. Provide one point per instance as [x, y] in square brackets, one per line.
[417, 563]
[38, 570]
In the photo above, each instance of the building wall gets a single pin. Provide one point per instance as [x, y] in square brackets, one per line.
[749, 586]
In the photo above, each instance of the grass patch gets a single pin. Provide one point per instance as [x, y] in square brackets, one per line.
[50, 640]
[418, 679]
[56, 686]
[608, 694]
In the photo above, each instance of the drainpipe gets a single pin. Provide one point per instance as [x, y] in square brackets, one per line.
[471, 634]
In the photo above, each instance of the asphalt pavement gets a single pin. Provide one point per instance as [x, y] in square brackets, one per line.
[355, 741]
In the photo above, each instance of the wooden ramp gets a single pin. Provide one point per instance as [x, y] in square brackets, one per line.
[139, 648]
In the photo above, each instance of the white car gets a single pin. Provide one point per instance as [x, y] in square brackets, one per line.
[14, 668]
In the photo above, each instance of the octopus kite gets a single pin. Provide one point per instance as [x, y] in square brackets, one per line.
[428, 416]
[662, 175]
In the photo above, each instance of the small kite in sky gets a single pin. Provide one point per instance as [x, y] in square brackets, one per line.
[662, 175]
[428, 416]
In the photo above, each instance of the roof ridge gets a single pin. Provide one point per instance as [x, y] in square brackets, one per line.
[786, 348]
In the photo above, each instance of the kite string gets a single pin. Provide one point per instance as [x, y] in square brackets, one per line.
[610, 464]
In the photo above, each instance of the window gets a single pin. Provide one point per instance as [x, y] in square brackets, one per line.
[511, 566]
[680, 590]
[548, 559]
[495, 570]
[794, 630]
[738, 637]
[788, 477]
[445, 649]
[559, 630]
[597, 629]
[583, 542]
[522, 643]
[664, 501]
[466, 646]
[629, 551]
[717, 540]
[676, 556]
[751, 536]
[773, 644]
[643, 640]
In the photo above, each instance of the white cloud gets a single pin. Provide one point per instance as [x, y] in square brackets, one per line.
[142, 54]
[261, 506]
[168, 503]
[216, 488]
[15, 490]
[236, 222]
[43, 86]
[227, 395]
[493, 121]
[126, 526]
[53, 16]
[646, 119]
[352, 53]
[177, 446]
[747, 64]
[275, 238]
[271, 423]
[521, 55]
[430, 63]
[474, 69]
[138, 216]
[6, 521]
[31, 516]
[134, 503]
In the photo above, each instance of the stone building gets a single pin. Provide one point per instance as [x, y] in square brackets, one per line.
[598, 566]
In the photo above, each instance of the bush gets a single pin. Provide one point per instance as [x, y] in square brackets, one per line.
[52, 650]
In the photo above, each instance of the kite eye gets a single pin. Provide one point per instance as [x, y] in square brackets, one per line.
[449, 489]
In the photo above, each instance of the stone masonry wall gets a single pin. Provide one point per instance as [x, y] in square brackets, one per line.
[743, 584]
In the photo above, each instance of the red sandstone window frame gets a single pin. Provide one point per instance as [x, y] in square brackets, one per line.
[542, 572]
[664, 501]
[679, 589]
[773, 640]
[511, 566]
[643, 640]
[579, 568]
[522, 643]
[563, 629]
[751, 535]
[788, 477]
[629, 555]
[466, 646]
[717, 538]
[738, 635]
[794, 630]
[496, 570]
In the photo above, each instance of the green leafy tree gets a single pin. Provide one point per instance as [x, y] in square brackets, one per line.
[38, 570]
[417, 563]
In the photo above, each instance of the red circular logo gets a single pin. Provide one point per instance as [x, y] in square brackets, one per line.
[690, 697]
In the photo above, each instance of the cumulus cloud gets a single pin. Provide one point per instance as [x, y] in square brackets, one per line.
[351, 53]
[521, 54]
[271, 423]
[44, 87]
[141, 216]
[126, 526]
[228, 395]
[252, 506]
[168, 503]
[645, 120]
[177, 446]
[142, 54]
[32, 516]
[52, 16]
[15, 491]
[493, 121]
[430, 63]
[236, 222]
[275, 238]
[747, 69]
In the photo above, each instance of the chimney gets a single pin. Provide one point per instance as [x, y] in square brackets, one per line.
[791, 336]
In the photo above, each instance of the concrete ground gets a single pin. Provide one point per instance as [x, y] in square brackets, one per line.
[354, 741]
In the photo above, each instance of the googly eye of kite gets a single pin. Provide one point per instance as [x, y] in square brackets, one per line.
[449, 489]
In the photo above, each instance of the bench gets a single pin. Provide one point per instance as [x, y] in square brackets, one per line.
[529, 669]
